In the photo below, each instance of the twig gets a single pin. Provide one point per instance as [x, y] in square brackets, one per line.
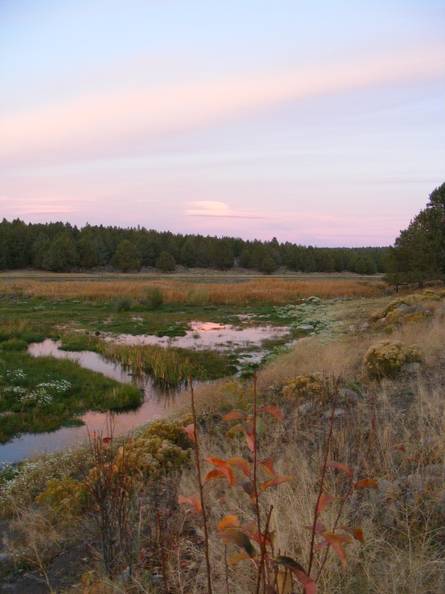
[201, 490]
[320, 490]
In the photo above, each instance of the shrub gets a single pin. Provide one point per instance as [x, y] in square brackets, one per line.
[65, 496]
[304, 385]
[152, 299]
[13, 344]
[122, 304]
[387, 358]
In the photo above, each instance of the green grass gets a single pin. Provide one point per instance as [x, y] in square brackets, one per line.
[43, 394]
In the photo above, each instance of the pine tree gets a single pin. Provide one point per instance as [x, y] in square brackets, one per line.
[126, 257]
[166, 262]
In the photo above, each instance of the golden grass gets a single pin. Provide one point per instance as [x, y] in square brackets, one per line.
[267, 290]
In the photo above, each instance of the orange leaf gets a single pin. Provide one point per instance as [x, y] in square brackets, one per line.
[274, 410]
[341, 467]
[250, 440]
[236, 536]
[323, 502]
[273, 482]
[240, 463]
[336, 541]
[193, 500]
[190, 431]
[233, 415]
[237, 557]
[229, 521]
[366, 484]
[310, 587]
[224, 468]
[213, 474]
[268, 466]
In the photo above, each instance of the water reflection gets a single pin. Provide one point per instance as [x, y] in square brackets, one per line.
[156, 404]
[208, 335]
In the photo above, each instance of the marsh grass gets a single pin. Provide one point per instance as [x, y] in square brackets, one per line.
[268, 290]
[43, 394]
[169, 367]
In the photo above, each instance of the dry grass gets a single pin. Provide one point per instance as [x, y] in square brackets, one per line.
[268, 290]
[394, 434]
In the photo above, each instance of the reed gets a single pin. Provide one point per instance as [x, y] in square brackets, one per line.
[268, 290]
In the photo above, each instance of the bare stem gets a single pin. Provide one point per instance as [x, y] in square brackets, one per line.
[321, 487]
[201, 491]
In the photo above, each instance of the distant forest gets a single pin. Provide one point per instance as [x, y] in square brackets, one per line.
[61, 247]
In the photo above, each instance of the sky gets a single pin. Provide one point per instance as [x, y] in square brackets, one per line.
[314, 121]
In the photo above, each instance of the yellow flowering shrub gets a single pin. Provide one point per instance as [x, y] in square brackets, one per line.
[387, 358]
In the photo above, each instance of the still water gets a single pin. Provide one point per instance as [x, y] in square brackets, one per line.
[156, 404]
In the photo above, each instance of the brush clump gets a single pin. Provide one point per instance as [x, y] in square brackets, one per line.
[388, 358]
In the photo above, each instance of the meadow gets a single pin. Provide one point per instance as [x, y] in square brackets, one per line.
[80, 311]
[322, 472]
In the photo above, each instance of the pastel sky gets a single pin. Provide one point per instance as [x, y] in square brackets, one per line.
[315, 121]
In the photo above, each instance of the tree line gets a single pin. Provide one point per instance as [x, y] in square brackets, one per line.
[61, 247]
[418, 254]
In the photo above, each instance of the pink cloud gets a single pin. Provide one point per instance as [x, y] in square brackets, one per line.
[100, 124]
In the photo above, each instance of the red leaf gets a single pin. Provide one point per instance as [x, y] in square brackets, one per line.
[323, 502]
[273, 482]
[233, 415]
[274, 410]
[213, 474]
[190, 431]
[336, 541]
[193, 500]
[341, 467]
[224, 468]
[366, 484]
[357, 533]
[268, 466]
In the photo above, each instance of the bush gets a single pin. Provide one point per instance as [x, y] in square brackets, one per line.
[123, 304]
[387, 358]
[13, 344]
[65, 496]
[152, 299]
[303, 386]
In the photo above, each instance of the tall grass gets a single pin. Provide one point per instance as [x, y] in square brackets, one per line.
[170, 367]
[268, 290]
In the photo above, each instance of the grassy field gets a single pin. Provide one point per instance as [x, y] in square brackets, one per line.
[191, 289]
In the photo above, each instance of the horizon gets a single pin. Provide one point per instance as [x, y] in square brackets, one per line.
[315, 124]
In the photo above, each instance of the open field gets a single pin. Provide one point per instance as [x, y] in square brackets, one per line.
[218, 289]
